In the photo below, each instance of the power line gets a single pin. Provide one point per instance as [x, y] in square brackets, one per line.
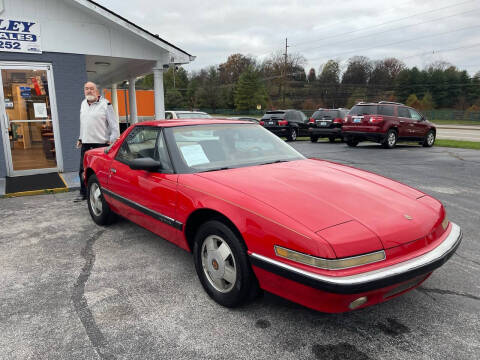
[389, 22]
[400, 28]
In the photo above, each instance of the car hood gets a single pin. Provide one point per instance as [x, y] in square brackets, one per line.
[321, 194]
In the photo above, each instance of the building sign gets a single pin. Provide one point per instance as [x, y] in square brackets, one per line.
[20, 36]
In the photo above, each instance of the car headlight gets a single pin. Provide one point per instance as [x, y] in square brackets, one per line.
[330, 264]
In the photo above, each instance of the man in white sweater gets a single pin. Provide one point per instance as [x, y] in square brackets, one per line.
[98, 127]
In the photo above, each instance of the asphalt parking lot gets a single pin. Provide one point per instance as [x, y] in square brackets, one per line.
[70, 289]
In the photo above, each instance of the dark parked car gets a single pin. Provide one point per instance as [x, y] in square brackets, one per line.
[326, 123]
[386, 123]
[244, 118]
[288, 123]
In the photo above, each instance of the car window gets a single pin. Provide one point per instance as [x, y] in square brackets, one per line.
[403, 112]
[193, 116]
[364, 110]
[303, 117]
[274, 114]
[289, 116]
[415, 115]
[168, 115]
[386, 110]
[212, 147]
[325, 114]
[140, 143]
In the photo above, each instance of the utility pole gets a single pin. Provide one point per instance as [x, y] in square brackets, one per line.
[285, 71]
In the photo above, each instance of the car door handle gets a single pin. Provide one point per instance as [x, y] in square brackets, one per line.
[113, 171]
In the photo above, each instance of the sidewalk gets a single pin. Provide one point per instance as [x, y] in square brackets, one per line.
[458, 127]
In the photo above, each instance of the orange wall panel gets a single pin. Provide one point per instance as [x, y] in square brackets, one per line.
[145, 102]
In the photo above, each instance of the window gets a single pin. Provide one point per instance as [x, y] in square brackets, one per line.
[403, 112]
[144, 142]
[364, 110]
[168, 115]
[303, 117]
[386, 110]
[415, 115]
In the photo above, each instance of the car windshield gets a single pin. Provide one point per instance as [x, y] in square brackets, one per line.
[329, 114]
[193, 116]
[276, 114]
[363, 110]
[213, 147]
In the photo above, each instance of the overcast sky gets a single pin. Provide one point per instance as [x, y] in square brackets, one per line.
[415, 31]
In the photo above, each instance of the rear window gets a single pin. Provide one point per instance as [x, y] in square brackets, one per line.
[329, 114]
[274, 114]
[364, 110]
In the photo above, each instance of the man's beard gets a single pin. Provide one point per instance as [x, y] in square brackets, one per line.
[90, 97]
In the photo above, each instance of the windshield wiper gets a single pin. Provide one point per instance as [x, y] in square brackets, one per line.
[217, 169]
[274, 162]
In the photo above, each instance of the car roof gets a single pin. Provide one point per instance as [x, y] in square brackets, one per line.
[183, 122]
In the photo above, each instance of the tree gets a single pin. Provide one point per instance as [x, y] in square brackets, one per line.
[413, 101]
[427, 102]
[210, 92]
[250, 91]
[311, 75]
[173, 99]
[329, 83]
[358, 71]
[235, 65]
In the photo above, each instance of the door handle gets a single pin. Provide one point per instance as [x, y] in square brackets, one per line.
[113, 171]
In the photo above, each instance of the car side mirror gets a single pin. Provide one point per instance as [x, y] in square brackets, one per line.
[147, 164]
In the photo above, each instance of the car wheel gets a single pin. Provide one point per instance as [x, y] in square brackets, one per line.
[97, 206]
[222, 264]
[331, 138]
[390, 139]
[352, 142]
[429, 139]
[313, 139]
[292, 136]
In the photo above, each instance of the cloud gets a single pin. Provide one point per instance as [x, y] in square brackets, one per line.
[319, 30]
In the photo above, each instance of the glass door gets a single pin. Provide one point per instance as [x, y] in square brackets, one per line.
[29, 124]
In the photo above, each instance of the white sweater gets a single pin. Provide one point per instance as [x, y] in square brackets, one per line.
[98, 122]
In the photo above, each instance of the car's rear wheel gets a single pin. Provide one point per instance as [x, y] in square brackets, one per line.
[331, 138]
[97, 206]
[390, 139]
[313, 139]
[292, 134]
[222, 264]
[352, 142]
[429, 139]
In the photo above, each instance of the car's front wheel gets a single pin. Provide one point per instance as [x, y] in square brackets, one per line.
[429, 139]
[352, 142]
[313, 139]
[222, 264]
[331, 138]
[97, 206]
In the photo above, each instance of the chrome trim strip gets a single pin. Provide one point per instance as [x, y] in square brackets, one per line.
[156, 215]
[450, 243]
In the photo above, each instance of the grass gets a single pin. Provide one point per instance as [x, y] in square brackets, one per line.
[456, 122]
[458, 144]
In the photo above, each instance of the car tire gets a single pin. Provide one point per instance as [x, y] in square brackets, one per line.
[352, 142]
[97, 206]
[292, 136]
[390, 139]
[331, 139]
[216, 249]
[313, 139]
[429, 139]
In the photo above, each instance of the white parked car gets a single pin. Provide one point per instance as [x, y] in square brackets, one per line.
[186, 115]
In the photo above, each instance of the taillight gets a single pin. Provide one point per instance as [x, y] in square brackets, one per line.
[337, 121]
[312, 120]
[262, 122]
[283, 122]
[376, 119]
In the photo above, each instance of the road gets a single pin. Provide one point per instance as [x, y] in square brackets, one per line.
[465, 133]
[72, 290]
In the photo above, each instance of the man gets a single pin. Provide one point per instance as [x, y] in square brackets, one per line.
[98, 127]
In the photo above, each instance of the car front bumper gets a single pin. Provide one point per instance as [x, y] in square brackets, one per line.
[347, 288]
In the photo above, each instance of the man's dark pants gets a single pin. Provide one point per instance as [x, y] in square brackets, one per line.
[85, 147]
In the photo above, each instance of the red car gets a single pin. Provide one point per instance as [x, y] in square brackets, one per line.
[387, 123]
[258, 215]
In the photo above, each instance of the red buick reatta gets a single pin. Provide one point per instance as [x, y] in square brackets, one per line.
[259, 215]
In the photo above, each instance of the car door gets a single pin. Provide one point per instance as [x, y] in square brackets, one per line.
[303, 124]
[420, 128]
[405, 126]
[146, 198]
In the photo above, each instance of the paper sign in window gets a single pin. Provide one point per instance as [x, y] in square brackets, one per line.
[194, 155]
[40, 110]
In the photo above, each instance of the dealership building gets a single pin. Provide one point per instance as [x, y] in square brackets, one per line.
[48, 50]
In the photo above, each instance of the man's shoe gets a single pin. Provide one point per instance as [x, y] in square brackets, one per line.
[80, 198]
